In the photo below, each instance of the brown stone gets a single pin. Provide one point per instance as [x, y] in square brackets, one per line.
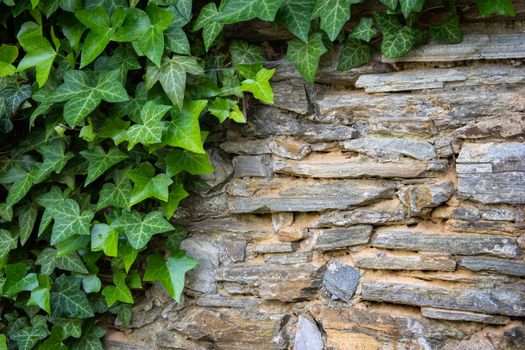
[385, 260]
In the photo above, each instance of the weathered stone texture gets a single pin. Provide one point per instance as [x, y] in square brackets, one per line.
[380, 208]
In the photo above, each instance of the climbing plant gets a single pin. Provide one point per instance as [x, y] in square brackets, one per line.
[101, 103]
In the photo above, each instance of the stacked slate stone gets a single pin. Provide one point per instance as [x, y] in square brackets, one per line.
[381, 208]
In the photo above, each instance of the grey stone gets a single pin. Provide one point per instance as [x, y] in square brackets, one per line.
[470, 244]
[409, 80]
[307, 336]
[288, 259]
[483, 226]
[337, 238]
[391, 148]
[340, 280]
[498, 300]
[235, 250]
[453, 315]
[384, 212]
[351, 168]
[245, 227]
[423, 114]
[419, 197]
[223, 169]
[503, 214]
[271, 122]
[276, 247]
[218, 300]
[203, 277]
[290, 95]
[303, 195]
[507, 267]
[506, 127]
[279, 146]
[276, 282]
[494, 188]
[504, 156]
[384, 260]
[472, 47]
[259, 166]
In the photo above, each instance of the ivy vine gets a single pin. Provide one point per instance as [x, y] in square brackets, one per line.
[100, 110]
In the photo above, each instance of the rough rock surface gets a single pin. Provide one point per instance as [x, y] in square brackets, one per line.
[380, 208]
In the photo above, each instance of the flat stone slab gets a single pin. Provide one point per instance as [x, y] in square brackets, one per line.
[472, 47]
[275, 282]
[468, 244]
[288, 258]
[504, 156]
[355, 168]
[453, 315]
[337, 238]
[507, 267]
[493, 188]
[392, 148]
[304, 195]
[498, 300]
[385, 260]
[409, 80]
[276, 247]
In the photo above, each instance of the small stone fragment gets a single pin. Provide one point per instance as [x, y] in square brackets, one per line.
[419, 197]
[453, 315]
[340, 280]
[307, 336]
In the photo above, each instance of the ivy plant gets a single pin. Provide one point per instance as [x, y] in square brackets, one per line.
[101, 111]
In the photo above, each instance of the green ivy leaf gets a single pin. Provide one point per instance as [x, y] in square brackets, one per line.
[139, 231]
[409, 6]
[354, 54]
[172, 76]
[71, 327]
[124, 313]
[496, 7]
[26, 222]
[40, 296]
[105, 238]
[448, 31]
[71, 262]
[295, 17]
[333, 14]
[182, 160]
[118, 292]
[8, 54]
[91, 284]
[127, 253]
[117, 195]
[147, 184]
[55, 158]
[91, 339]
[26, 338]
[102, 28]
[176, 195]
[7, 243]
[100, 161]
[244, 53]
[69, 221]
[245, 10]
[207, 21]
[18, 280]
[260, 86]
[184, 130]
[20, 188]
[364, 30]
[67, 298]
[391, 4]
[84, 91]
[305, 56]
[54, 341]
[151, 43]
[3, 342]
[397, 40]
[150, 130]
[39, 52]
[170, 273]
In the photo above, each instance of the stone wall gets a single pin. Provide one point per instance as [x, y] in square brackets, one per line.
[380, 208]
